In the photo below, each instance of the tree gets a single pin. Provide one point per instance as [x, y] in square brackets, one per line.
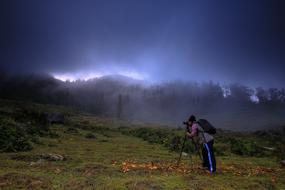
[119, 107]
[240, 92]
[262, 95]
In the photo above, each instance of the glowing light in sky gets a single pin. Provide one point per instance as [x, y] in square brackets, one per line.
[90, 75]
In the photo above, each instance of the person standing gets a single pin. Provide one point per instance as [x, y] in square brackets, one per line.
[207, 140]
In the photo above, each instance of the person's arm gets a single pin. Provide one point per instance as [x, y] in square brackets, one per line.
[194, 131]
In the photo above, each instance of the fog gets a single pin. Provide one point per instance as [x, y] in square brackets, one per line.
[168, 103]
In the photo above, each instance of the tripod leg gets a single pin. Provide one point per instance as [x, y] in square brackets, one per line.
[178, 161]
[197, 149]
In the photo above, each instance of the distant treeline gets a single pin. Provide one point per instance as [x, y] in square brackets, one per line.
[234, 106]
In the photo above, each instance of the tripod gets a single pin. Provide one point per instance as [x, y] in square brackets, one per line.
[183, 144]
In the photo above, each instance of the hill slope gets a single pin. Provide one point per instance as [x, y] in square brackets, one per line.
[88, 152]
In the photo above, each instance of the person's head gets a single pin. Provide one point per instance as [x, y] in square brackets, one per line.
[191, 120]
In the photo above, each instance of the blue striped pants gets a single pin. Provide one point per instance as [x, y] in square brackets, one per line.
[209, 160]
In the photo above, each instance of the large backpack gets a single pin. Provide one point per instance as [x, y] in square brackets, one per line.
[207, 127]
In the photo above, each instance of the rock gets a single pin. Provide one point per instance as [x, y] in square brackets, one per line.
[53, 157]
[47, 157]
[57, 170]
[184, 154]
[268, 148]
[37, 163]
[54, 118]
[282, 163]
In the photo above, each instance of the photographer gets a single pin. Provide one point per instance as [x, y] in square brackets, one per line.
[207, 140]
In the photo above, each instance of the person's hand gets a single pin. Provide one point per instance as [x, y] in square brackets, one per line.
[188, 134]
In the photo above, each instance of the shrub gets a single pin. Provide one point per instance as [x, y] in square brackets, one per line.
[71, 130]
[53, 134]
[221, 149]
[90, 136]
[13, 139]
[176, 143]
[245, 148]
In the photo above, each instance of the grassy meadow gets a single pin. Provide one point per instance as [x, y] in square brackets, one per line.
[103, 153]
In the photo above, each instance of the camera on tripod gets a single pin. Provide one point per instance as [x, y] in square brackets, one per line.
[185, 122]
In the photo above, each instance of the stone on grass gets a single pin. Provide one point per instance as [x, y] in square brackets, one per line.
[52, 157]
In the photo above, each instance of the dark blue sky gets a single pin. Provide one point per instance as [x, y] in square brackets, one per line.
[160, 40]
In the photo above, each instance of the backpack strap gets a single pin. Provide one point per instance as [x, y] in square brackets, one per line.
[202, 131]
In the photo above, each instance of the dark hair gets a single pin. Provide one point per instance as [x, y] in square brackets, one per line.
[192, 118]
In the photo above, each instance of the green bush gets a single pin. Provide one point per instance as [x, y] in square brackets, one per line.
[225, 143]
[151, 135]
[90, 136]
[245, 148]
[222, 149]
[71, 130]
[52, 134]
[13, 139]
[176, 143]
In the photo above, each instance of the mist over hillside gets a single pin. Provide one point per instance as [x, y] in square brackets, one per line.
[234, 106]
